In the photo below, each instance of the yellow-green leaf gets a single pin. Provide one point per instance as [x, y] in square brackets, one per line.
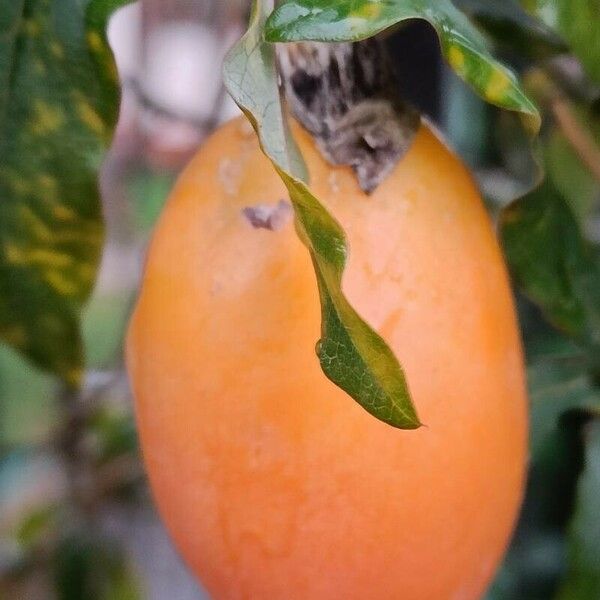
[58, 108]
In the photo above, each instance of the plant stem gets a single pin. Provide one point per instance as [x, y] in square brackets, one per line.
[73, 452]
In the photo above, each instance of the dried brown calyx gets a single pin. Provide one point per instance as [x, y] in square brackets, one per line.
[345, 95]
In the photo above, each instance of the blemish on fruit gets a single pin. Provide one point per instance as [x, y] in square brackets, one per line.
[228, 173]
[268, 216]
[333, 182]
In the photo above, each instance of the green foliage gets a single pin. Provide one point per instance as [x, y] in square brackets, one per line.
[583, 577]
[561, 394]
[463, 46]
[58, 104]
[352, 355]
[557, 385]
[559, 269]
[148, 191]
[27, 400]
[113, 432]
[35, 526]
[51, 529]
[58, 108]
[570, 177]
[512, 28]
[553, 263]
[578, 21]
[86, 568]
[550, 239]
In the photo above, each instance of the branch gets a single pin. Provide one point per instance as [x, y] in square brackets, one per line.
[581, 141]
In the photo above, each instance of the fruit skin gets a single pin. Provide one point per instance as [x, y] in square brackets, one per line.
[272, 481]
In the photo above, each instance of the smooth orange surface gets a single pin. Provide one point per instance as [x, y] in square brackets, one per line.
[272, 481]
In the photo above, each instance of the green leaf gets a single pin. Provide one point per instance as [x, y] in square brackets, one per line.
[352, 355]
[36, 525]
[561, 394]
[509, 11]
[579, 23]
[87, 567]
[114, 433]
[583, 576]
[512, 27]
[58, 108]
[463, 46]
[556, 386]
[553, 263]
[572, 180]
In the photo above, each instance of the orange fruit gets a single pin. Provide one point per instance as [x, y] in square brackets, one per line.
[272, 481]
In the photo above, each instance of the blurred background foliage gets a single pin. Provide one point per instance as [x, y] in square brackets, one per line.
[76, 521]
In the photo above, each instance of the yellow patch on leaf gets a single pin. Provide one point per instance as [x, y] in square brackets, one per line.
[46, 118]
[35, 224]
[372, 10]
[63, 213]
[497, 86]
[456, 58]
[88, 115]
[37, 257]
[62, 285]
[94, 41]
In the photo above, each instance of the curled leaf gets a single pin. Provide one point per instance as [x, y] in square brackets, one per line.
[352, 354]
[463, 46]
